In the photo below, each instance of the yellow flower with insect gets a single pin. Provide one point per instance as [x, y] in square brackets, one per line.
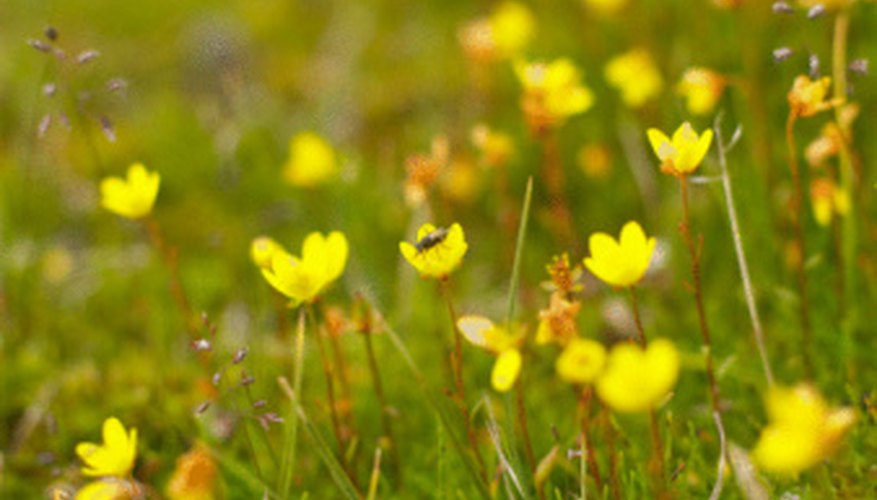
[511, 27]
[481, 332]
[808, 97]
[581, 362]
[828, 200]
[302, 279]
[262, 249]
[437, 251]
[636, 380]
[635, 74]
[115, 457]
[132, 197]
[702, 88]
[682, 154]
[802, 430]
[311, 161]
[623, 262]
[553, 92]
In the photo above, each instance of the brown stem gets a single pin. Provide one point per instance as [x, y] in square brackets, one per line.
[609, 435]
[585, 396]
[640, 333]
[555, 183]
[800, 245]
[386, 421]
[168, 256]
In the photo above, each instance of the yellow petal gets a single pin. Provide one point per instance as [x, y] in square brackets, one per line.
[506, 370]
[581, 362]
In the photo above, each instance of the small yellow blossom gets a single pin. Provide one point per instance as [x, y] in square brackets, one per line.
[262, 249]
[481, 332]
[558, 322]
[302, 279]
[437, 251]
[635, 74]
[832, 136]
[512, 27]
[595, 160]
[194, 477]
[461, 182]
[636, 380]
[552, 93]
[702, 89]
[115, 457]
[110, 488]
[311, 161]
[828, 200]
[802, 430]
[683, 154]
[132, 197]
[581, 362]
[496, 147]
[624, 262]
[606, 6]
[808, 97]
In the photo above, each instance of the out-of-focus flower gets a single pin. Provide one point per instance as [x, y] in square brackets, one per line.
[303, 279]
[624, 262]
[831, 139]
[702, 89]
[194, 477]
[115, 457]
[311, 161]
[461, 181]
[504, 34]
[437, 251]
[802, 430]
[727, 4]
[109, 488]
[481, 332]
[606, 6]
[57, 264]
[635, 74]
[262, 249]
[636, 380]
[683, 154]
[495, 147]
[595, 160]
[423, 170]
[552, 93]
[828, 4]
[558, 322]
[132, 197]
[808, 97]
[828, 200]
[581, 362]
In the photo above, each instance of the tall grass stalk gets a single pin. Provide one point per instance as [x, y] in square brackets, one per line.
[290, 436]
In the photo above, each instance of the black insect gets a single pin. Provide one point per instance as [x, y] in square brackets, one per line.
[431, 239]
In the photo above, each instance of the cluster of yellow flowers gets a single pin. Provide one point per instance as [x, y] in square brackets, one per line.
[553, 92]
[636, 75]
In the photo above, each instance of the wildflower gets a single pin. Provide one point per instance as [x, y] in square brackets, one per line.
[303, 279]
[807, 97]
[595, 160]
[115, 457]
[635, 74]
[636, 380]
[481, 332]
[702, 89]
[109, 489]
[606, 6]
[828, 200]
[462, 182]
[831, 138]
[423, 171]
[437, 251]
[683, 154]
[132, 197]
[558, 322]
[802, 430]
[194, 477]
[564, 278]
[311, 161]
[511, 26]
[624, 262]
[496, 147]
[552, 93]
[262, 249]
[581, 362]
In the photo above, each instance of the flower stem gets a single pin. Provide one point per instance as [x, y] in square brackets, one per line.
[640, 333]
[287, 459]
[609, 436]
[589, 456]
[555, 183]
[170, 259]
[389, 440]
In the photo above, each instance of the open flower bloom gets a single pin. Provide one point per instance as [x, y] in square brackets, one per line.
[437, 251]
[558, 322]
[303, 278]
[828, 200]
[481, 332]
[682, 154]
[581, 362]
[635, 74]
[702, 89]
[624, 262]
[311, 161]
[552, 92]
[115, 457]
[132, 197]
[802, 430]
[511, 27]
[808, 97]
[636, 380]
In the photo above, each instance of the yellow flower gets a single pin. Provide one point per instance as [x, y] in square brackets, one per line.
[581, 362]
[132, 197]
[481, 332]
[303, 279]
[802, 430]
[558, 322]
[109, 489]
[194, 477]
[311, 161]
[683, 154]
[634, 73]
[496, 147]
[115, 457]
[511, 26]
[807, 97]
[606, 6]
[437, 251]
[702, 89]
[595, 160]
[636, 380]
[624, 262]
[552, 92]
[262, 249]
[828, 200]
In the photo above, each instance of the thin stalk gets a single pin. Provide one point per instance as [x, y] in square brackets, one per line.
[800, 244]
[271, 452]
[640, 333]
[748, 292]
[290, 438]
[386, 421]
[169, 258]
[555, 183]
[609, 436]
[589, 456]
[375, 476]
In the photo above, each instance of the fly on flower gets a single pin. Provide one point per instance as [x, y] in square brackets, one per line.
[482, 333]
[437, 251]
